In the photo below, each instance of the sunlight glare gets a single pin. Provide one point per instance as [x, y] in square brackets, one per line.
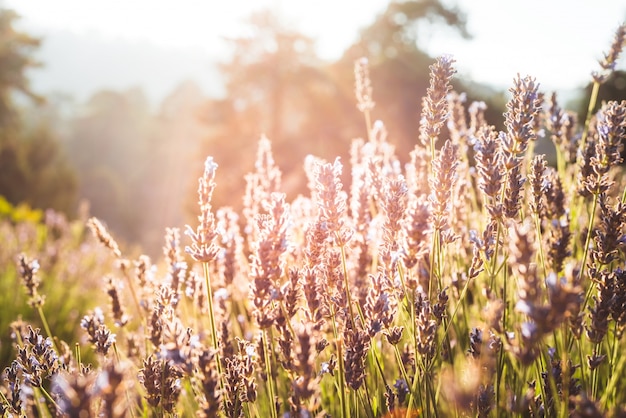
[197, 23]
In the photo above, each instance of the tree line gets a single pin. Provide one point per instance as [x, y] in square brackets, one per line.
[134, 165]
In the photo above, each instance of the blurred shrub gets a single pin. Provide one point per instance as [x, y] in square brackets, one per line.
[71, 271]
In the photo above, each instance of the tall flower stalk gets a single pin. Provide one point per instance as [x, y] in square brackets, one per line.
[203, 246]
[435, 104]
[607, 67]
[607, 141]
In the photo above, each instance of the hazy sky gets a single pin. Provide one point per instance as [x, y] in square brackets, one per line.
[188, 23]
[557, 41]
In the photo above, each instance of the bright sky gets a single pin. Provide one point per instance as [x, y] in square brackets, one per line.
[190, 23]
[557, 41]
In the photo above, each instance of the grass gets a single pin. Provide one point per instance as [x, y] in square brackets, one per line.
[473, 281]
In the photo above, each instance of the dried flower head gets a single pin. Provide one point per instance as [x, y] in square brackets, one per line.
[161, 381]
[177, 268]
[103, 235]
[607, 64]
[231, 260]
[36, 359]
[267, 259]
[99, 335]
[120, 316]
[441, 186]
[435, 104]
[607, 143]
[331, 201]
[537, 184]
[363, 88]
[425, 326]
[357, 346]
[209, 394]
[490, 168]
[520, 117]
[28, 272]
[203, 247]
[260, 184]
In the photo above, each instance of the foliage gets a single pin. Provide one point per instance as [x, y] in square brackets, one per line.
[16, 49]
[21, 213]
[132, 161]
[71, 269]
[109, 147]
[32, 165]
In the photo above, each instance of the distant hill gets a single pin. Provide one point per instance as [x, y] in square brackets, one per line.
[80, 65]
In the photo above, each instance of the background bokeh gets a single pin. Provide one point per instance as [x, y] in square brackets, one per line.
[117, 104]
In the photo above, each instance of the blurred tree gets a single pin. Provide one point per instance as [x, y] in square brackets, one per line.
[179, 157]
[277, 86]
[264, 74]
[16, 50]
[110, 146]
[614, 88]
[399, 64]
[395, 32]
[32, 167]
[135, 164]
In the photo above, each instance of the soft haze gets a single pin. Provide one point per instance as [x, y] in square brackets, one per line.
[156, 44]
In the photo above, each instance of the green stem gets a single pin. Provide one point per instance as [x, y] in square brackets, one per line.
[615, 350]
[134, 296]
[505, 312]
[456, 308]
[594, 375]
[499, 373]
[347, 286]
[581, 360]
[345, 408]
[270, 377]
[411, 302]
[49, 398]
[542, 257]
[560, 161]
[402, 369]
[367, 402]
[118, 360]
[616, 377]
[209, 290]
[345, 412]
[46, 327]
[592, 104]
[374, 354]
[433, 261]
[38, 405]
[414, 387]
[5, 401]
[207, 279]
[586, 249]
[79, 360]
[368, 125]
[494, 257]
[432, 400]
